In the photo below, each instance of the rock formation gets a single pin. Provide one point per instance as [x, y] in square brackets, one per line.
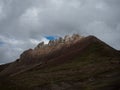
[40, 45]
[44, 49]
[65, 40]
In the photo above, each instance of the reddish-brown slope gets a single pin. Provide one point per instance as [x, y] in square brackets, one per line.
[64, 54]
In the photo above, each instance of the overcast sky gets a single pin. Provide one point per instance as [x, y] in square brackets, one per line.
[24, 23]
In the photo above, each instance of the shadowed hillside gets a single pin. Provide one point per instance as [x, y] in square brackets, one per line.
[70, 63]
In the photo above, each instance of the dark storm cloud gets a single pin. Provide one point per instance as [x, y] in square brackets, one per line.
[24, 23]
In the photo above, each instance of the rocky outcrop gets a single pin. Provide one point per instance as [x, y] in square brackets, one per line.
[42, 49]
[67, 39]
[40, 45]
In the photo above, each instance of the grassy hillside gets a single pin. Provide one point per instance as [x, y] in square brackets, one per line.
[88, 74]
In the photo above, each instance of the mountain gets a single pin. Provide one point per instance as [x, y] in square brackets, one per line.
[70, 63]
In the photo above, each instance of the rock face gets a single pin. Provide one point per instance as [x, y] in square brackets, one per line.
[53, 45]
[44, 49]
[40, 45]
[65, 40]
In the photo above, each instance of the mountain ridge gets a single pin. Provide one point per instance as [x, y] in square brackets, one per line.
[81, 57]
[27, 59]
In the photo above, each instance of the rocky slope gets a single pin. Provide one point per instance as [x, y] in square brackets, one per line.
[69, 63]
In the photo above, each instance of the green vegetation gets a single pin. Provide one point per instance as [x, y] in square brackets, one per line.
[93, 73]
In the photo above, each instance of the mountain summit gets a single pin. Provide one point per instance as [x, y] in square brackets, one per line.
[70, 63]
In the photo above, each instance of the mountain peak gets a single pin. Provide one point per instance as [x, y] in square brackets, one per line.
[45, 49]
[69, 61]
[66, 40]
[74, 42]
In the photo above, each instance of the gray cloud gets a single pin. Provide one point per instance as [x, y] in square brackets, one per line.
[23, 23]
